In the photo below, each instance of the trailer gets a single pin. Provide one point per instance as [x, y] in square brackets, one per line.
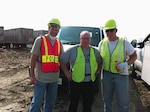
[37, 33]
[1, 35]
[18, 37]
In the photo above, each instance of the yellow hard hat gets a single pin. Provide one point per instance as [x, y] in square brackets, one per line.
[54, 21]
[110, 24]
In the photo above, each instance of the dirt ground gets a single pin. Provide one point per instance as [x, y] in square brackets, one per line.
[15, 90]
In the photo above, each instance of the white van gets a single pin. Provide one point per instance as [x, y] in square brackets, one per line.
[141, 64]
[70, 36]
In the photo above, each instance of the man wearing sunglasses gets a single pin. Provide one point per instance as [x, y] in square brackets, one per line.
[45, 54]
[114, 51]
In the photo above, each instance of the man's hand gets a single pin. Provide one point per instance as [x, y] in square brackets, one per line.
[121, 66]
[33, 80]
[68, 75]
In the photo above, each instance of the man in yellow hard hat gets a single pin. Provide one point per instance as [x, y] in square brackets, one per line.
[54, 22]
[114, 51]
[45, 54]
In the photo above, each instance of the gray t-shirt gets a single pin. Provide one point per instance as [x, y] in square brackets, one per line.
[70, 56]
[42, 76]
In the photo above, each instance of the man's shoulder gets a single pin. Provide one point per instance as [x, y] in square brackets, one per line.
[73, 48]
[38, 38]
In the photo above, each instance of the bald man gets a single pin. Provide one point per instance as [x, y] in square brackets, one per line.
[85, 62]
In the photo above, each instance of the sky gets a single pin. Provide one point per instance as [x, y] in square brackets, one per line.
[132, 16]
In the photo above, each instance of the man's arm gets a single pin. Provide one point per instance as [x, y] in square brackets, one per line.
[132, 58]
[65, 70]
[32, 68]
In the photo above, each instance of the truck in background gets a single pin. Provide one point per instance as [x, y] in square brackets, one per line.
[18, 37]
[1, 35]
[37, 33]
[70, 36]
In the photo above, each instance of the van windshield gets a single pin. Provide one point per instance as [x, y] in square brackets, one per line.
[71, 35]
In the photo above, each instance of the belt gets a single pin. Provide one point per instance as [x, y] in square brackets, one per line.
[87, 74]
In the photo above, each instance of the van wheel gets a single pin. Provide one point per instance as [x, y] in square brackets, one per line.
[133, 73]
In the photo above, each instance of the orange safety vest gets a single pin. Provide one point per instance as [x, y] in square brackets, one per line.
[49, 55]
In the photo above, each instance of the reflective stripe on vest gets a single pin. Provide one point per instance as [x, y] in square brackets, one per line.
[78, 70]
[49, 53]
[111, 60]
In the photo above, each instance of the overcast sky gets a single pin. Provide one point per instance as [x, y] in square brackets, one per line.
[132, 16]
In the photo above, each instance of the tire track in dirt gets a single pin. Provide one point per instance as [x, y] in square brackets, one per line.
[15, 92]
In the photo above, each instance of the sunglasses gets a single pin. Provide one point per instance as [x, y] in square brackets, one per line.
[110, 30]
[54, 26]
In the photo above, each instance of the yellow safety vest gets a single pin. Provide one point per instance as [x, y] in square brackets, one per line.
[78, 70]
[111, 60]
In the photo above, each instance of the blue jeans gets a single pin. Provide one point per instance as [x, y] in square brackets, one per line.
[120, 85]
[44, 93]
